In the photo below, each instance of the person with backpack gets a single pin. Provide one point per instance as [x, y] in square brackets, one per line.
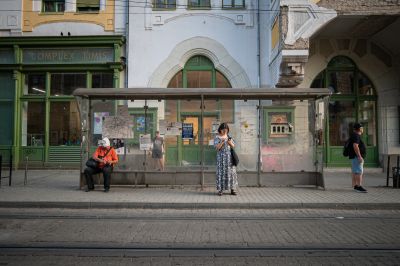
[357, 153]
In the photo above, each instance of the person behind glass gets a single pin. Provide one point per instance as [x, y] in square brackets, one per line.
[357, 153]
[107, 158]
[226, 171]
[158, 151]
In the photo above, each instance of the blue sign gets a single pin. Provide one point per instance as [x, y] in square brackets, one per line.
[187, 130]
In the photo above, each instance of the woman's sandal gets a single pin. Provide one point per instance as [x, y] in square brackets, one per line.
[233, 192]
[219, 193]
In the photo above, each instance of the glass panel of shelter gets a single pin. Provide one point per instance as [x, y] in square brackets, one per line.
[288, 135]
[189, 140]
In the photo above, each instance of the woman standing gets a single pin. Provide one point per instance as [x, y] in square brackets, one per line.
[226, 172]
[158, 151]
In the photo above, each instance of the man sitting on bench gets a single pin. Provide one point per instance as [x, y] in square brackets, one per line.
[106, 158]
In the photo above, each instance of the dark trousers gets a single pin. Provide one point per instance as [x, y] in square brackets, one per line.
[89, 172]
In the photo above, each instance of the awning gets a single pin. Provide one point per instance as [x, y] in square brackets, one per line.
[143, 93]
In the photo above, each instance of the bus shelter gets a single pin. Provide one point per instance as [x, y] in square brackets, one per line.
[278, 133]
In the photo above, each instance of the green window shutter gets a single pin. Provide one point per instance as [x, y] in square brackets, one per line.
[6, 86]
[87, 3]
[7, 123]
[6, 108]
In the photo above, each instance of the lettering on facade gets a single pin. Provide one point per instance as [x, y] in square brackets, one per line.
[75, 55]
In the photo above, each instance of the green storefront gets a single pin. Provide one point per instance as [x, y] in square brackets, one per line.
[354, 99]
[40, 118]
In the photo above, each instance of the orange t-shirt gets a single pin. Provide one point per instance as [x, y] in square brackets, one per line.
[101, 151]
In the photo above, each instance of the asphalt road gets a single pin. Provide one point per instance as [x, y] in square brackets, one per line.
[199, 237]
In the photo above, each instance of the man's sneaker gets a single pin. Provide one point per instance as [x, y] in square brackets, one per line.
[360, 189]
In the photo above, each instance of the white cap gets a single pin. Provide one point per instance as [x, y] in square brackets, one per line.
[105, 142]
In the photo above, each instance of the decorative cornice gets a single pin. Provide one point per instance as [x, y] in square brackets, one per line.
[292, 68]
[63, 40]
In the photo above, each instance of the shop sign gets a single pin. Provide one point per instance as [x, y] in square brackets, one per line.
[7, 56]
[170, 128]
[67, 55]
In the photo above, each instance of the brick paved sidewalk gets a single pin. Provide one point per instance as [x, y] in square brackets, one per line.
[59, 188]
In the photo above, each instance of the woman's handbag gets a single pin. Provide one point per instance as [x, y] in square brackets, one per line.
[235, 157]
[92, 163]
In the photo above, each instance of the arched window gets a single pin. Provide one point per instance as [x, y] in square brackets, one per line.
[198, 72]
[353, 100]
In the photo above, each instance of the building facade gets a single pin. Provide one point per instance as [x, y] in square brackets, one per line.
[350, 47]
[48, 49]
[198, 44]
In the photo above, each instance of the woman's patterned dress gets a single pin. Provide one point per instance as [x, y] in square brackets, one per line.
[226, 172]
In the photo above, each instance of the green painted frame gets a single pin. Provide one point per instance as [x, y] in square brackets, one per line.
[233, 5]
[266, 122]
[333, 154]
[198, 6]
[141, 111]
[53, 12]
[156, 8]
[205, 65]
[19, 69]
[196, 147]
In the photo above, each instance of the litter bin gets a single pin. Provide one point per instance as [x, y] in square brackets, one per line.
[396, 176]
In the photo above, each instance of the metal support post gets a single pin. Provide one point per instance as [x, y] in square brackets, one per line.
[26, 171]
[145, 132]
[259, 144]
[397, 172]
[1, 161]
[145, 151]
[201, 141]
[388, 171]
[10, 176]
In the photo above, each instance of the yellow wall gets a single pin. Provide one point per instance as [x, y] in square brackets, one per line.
[275, 33]
[33, 19]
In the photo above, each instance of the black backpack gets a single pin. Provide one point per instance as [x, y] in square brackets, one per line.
[346, 148]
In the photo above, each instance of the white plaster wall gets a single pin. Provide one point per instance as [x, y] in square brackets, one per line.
[160, 43]
[120, 16]
[10, 17]
[274, 67]
[153, 35]
[265, 40]
[245, 132]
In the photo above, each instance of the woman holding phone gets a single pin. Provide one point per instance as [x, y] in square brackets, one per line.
[226, 171]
